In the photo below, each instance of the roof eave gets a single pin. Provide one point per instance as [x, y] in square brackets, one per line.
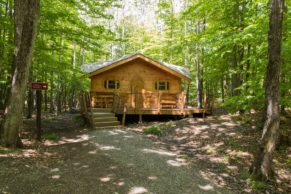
[138, 55]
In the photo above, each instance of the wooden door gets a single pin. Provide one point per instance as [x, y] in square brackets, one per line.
[137, 86]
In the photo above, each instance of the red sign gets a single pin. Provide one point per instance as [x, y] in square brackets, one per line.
[39, 86]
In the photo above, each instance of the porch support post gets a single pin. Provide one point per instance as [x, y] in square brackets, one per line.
[188, 92]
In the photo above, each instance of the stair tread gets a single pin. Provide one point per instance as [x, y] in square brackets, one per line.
[104, 118]
[108, 122]
[109, 127]
[101, 113]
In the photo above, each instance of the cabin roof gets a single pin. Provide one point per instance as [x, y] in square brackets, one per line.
[99, 67]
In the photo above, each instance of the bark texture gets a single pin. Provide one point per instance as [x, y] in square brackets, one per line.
[26, 16]
[261, 167]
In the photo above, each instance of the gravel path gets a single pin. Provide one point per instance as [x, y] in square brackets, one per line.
[105, 162]
[147, 167]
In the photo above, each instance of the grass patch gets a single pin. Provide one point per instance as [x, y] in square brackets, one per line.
[256, 185]
[154, 130]
[288, 162]
[4, 150]
[234, 144]
[52, 136]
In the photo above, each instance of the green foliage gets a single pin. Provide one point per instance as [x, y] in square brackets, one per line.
[288, 162]
[154, 130]
[227, 38]
[256, 185]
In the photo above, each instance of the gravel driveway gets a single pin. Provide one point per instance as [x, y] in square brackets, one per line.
[142, 166]
[115, 161]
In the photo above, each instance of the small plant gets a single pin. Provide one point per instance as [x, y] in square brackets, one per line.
[288, 162]
[258, 186]
[52, 136]
[154, 130]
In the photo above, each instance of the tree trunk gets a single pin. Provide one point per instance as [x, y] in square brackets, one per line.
[262, 164]
[30, 99]
[45, 95]
[199, 81]
[26, 16]
[73, 96]
[59, 103]
[51, 92]
[222, 88]
[38, 114]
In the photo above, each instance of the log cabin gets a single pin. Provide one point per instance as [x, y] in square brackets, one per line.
[138, 85]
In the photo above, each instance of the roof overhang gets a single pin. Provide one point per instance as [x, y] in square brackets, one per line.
[155, 63]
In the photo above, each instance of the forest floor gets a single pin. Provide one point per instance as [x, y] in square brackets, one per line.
[192, 155]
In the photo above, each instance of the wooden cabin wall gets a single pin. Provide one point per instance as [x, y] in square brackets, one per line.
[136, 76]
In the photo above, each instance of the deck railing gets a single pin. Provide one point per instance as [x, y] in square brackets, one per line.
[138, 101]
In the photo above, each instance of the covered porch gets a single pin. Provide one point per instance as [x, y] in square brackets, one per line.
[143, 103]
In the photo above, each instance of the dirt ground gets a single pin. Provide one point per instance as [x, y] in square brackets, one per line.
[224, 147]
[71, 160]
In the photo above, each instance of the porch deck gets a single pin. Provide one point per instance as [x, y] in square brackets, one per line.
[147, 103]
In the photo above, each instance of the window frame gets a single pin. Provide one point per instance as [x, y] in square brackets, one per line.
[108, 85]
[164, 84]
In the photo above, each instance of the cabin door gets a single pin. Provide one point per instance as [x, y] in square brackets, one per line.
[137, 86]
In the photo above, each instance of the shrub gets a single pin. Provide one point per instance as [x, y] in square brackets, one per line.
[154, 130]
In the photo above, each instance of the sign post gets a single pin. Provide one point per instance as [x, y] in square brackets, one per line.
[38, 86]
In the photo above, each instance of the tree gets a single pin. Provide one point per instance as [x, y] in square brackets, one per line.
[261, 167]
[26, 17]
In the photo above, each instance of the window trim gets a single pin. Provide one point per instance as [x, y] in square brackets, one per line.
[116, 84]
[158, 84]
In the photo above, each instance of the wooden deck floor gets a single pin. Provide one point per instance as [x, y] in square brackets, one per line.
[187, 111]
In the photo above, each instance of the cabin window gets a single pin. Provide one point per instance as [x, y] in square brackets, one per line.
[162, 85]
[111, 84]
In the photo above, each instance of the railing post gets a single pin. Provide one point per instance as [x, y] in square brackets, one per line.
[183, 103]
[124, 114]
[114, 102]
[204, 104]
[159, 102]
[84, 103]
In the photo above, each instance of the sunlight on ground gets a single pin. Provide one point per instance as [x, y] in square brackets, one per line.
[214, 177]
[105, 179]
[121, 183]
[30, 153]
[128, 136]
[92, 152]
[137, 190]
[106, 147]
[55, 170]
[56, 176]
[116, 132]
[160, 152]
[206, 187]
[64, 140]
[152, 178]
[177, 163]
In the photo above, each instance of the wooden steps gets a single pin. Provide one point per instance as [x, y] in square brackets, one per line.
[104, 118]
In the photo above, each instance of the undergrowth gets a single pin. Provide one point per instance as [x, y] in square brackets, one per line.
[154, 130]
